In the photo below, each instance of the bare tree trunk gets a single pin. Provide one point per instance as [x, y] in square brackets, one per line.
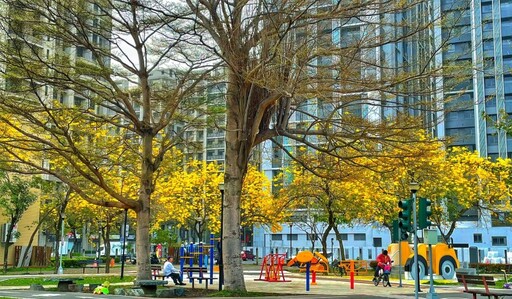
[32, 236]
[144, 210]
[7, 244]
[323, 240]
[340, 241]
[142, 245]
[237, 155]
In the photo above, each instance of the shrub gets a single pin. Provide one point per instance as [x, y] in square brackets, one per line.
[490, 268]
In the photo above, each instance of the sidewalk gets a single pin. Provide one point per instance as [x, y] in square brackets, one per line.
[326, 287]
[340, 288]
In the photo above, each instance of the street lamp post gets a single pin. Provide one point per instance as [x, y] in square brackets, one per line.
[61, 245]
[413, 186]
[291, 247]
[221, 262]
[332, 249]
[98, 251]
[124, 235]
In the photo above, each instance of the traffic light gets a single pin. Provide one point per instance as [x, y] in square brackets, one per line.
[424, 211]
[405, 217]
[395, 232]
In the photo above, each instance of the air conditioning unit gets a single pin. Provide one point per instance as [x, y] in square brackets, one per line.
[4, 228]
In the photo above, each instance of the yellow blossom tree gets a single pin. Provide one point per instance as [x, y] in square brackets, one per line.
[191, 198]
[469, 182]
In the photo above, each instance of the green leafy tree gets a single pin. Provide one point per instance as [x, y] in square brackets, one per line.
[15, 198]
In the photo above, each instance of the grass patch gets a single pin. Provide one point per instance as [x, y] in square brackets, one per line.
[20, 281]
[28, 270]
[440, 282]
[225, 293]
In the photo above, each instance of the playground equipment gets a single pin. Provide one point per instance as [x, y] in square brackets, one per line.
[319, 263]
[444, 258]
[200, 252]
[272, 268]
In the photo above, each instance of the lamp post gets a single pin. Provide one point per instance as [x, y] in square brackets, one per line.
[332, 249]
[98, 251]
[61, 245]
[221, 263]
[414, 186]
[291, 244]
[124, 235]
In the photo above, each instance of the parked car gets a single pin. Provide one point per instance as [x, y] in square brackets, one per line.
[247, 255]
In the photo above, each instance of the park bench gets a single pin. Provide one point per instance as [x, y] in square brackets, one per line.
[91, 264]
[468, 281]
[149, 286]
[201, 270]
[155, 272]
[63, 283]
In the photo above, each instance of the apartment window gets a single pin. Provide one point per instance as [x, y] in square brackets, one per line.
[344, 237]
[294, 237]
[377, 242]
[477, 238]
[492, 139]
[311, 237]
[359, 237]
[499, 241]
[277, 237]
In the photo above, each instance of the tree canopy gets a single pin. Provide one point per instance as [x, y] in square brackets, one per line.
[78, 93]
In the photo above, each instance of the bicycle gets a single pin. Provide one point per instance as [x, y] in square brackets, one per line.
[338, 268]
[383, 276]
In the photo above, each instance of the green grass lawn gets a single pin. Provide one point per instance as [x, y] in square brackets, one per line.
[20, 281]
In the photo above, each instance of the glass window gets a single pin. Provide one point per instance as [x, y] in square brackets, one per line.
[499, 241]
[492, 139]
[310, 237]
[344, 237]
[486, 8]
[277, 237]
[477, 238]
[506, 25]
[294, 237]
[359, 237]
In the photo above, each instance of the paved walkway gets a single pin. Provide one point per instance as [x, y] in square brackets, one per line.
[326, 287]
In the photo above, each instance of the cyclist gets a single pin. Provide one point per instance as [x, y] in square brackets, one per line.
[382, 260]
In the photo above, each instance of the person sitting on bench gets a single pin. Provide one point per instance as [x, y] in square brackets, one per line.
[170, 271]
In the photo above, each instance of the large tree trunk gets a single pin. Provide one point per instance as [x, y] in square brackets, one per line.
[237, 156]
[323, 240]
[142, 244]
[143, 210]
[231, 245]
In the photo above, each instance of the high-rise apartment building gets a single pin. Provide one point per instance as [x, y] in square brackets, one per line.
[484, 41]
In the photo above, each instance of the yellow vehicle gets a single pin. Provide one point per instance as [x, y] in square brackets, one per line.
[444, 258]
[319, 263]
